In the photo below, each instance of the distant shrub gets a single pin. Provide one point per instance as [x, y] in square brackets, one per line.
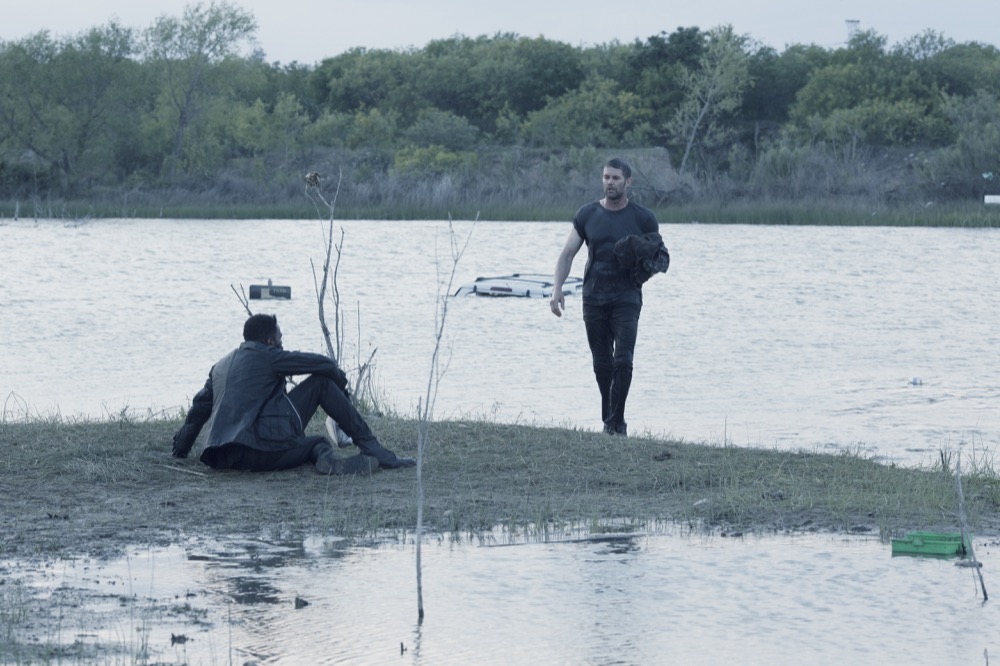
[417, 160]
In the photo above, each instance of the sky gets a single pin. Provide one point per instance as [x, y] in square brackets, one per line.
[307, 31]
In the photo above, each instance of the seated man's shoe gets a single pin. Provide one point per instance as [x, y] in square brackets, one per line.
[356, 464]
[395, 462]
[327, 463]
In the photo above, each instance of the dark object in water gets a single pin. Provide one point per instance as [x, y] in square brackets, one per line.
[270, 291]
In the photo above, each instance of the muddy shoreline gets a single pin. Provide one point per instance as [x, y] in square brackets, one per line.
[80, 496]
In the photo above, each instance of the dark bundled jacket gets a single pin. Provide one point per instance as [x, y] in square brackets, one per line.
[245, 402]
[642, 255]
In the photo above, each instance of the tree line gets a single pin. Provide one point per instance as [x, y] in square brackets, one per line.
[186, 106]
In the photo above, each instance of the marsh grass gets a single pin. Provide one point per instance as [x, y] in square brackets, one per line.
[98, 486]
[836, 213]
[971, 214]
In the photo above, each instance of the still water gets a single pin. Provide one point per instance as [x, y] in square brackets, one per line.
[629, 599]
[814, 338]
[787, 337]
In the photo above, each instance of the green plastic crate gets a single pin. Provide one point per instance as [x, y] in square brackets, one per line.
[940, 544]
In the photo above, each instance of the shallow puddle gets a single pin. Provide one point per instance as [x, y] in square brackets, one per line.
[570, 598]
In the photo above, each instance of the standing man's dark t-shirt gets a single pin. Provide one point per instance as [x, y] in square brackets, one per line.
[604, 281]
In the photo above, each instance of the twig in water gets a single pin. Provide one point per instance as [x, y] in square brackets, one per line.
[961, 516]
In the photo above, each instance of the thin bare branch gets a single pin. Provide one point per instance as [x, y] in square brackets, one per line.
[425, 405]
[313, 185]
[966, 533]
[242, 295]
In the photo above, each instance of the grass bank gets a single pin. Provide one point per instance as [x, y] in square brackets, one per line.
[94, 487]
[829, 213]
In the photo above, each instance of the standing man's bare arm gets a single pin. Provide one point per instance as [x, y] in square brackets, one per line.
[563, 265]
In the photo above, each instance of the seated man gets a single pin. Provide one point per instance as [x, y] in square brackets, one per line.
[254, 424]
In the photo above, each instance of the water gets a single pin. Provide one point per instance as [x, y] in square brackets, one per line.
[789, 337]
[631, 599]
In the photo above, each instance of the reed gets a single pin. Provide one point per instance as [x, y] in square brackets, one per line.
[805, 213]
[836, 213]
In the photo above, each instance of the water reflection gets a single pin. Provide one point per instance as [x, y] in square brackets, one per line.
[253, 591]
[631, 598]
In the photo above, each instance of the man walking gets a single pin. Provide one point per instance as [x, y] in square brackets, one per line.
[255, 425]
[612, 294]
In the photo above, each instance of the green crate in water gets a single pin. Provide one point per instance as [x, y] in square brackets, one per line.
[942, 544]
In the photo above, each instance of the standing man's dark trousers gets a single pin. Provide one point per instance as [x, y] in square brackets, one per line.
[611, 334]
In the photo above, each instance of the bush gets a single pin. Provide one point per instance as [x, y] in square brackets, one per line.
[414, 161]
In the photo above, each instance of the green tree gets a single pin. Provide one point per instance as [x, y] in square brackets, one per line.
[684, 47]
[488, 78]
[183, 52]
[877, 122]
[329, 130]
[440, 128]
[295, 80]
[969, 167]
[598, 114]
[367, 79]
[657, 66]
[853, 75]
[65, 103]
[712, 92]
[612, 60]
[374, 130]
[885, 97]
[964, 69]
[290, 121]
[777, 79]
[248, 130]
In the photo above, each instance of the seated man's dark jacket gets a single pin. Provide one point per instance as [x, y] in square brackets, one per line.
[245, 402]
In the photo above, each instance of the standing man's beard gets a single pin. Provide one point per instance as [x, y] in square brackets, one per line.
[613, 193]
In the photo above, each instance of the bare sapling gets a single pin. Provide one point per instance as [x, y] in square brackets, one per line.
[314, 188]
[425, 405]
[335, 342]
[313, 185]
[966, 536]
